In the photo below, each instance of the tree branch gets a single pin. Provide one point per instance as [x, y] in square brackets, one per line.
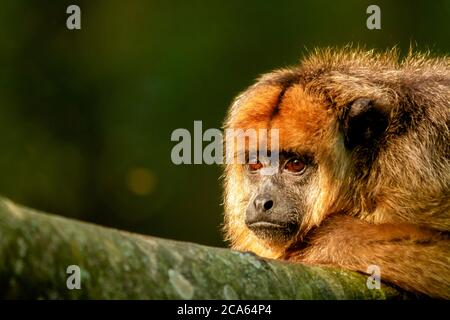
[37, 248]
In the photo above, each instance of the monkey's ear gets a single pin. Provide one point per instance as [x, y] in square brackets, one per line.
[363, 123]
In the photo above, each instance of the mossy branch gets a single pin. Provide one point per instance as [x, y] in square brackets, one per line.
[36, 249]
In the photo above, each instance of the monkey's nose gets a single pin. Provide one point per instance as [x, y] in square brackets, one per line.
[263, 203]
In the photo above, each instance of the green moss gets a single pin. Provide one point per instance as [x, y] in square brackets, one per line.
[37, 248]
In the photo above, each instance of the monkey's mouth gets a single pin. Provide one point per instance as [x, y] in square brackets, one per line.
[266, 224]
[273, 231]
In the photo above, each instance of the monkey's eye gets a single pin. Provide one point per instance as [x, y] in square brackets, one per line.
[294, 165]
[252, 167]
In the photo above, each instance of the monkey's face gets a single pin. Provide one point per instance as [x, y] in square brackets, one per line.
[267, 211]
[277, 201]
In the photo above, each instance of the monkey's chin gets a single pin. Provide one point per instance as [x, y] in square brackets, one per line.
[274, 233]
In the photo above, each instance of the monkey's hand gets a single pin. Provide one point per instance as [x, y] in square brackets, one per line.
[414, 258]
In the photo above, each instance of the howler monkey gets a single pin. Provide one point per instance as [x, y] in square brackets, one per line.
[363, 176]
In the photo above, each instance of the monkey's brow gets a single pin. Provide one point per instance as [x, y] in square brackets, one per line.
[290, 152]
[256, 152]
[306, 156]
[284, 152]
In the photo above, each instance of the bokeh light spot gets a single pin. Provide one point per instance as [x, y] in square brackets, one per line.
[141, 181]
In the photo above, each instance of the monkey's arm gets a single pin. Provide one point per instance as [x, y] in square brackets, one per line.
[411, 257]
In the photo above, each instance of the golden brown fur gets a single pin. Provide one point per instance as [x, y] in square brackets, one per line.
[389, 206]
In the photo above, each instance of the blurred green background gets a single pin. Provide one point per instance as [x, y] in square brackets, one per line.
[86, 116]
